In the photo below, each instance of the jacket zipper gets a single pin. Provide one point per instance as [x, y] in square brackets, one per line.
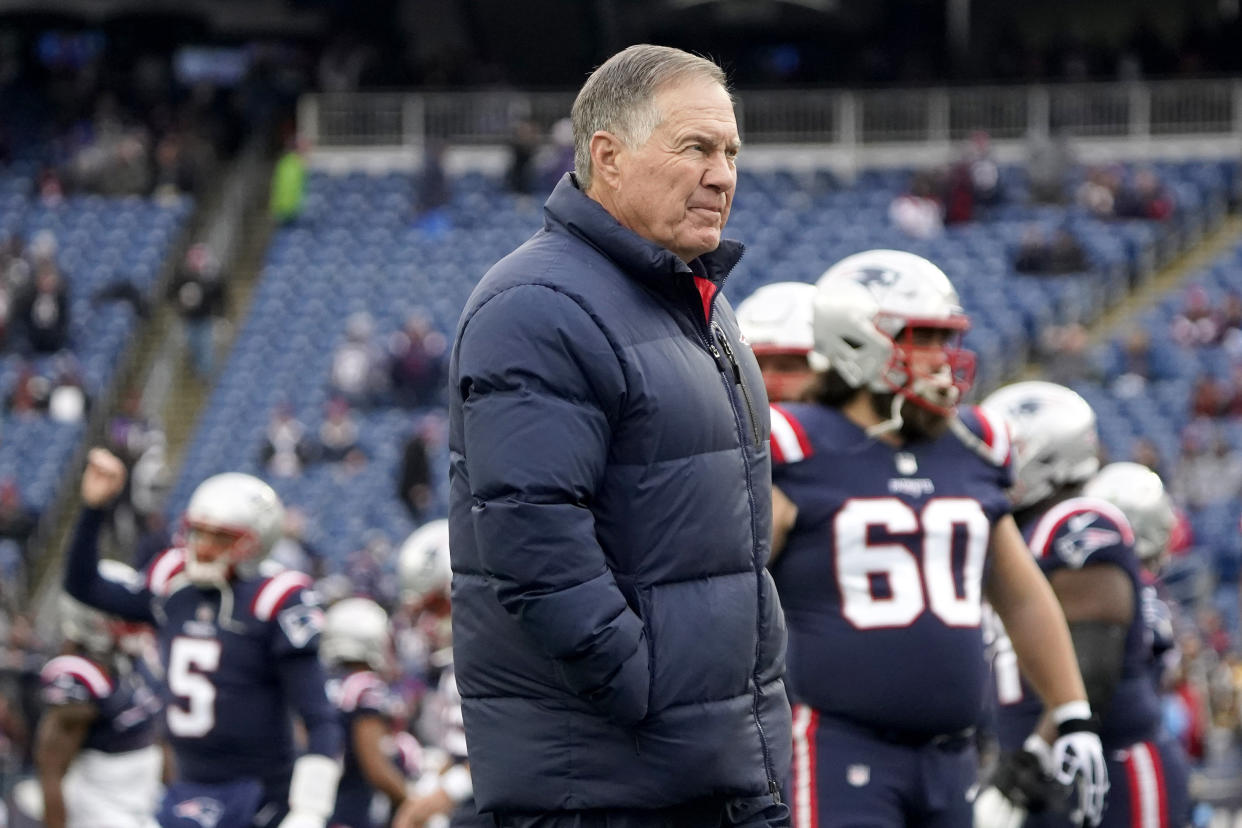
[739, 379]
[704, 330]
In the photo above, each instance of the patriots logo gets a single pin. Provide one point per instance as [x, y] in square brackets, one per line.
[1081, 539]
[873, 277]
[301, 623]
[201, 809]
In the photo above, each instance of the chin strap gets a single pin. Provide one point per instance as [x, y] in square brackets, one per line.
[894, 421]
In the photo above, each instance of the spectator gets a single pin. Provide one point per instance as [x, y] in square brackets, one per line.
[416, 362]
[338, 434]
[294, 549]
[44, 312]
[983, 170]
[17, 520]
[67, 401]
[1145, 452]
[434, 192]
[1132, 369]
[523, 147]
[1048, 163]
[285, 448]
[560, 157]
[1207, 399]
[1064, 354]
[1208, 470]
[30, 393]
[289, 184]
[1197, 323]
[1145, 198]
[357, 372]
[198, 292]
[414, 488]
[1098, 193]
[917, 213]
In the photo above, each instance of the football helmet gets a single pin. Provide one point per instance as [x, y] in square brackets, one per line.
[423, 562]
[1139, 493]
[1054, 438]
[239, 507]
[775, 320]
[865, 312]
[99, 633]
[355, 630]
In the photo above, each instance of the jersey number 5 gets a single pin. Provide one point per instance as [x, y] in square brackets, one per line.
[862, 562]
[190, 661]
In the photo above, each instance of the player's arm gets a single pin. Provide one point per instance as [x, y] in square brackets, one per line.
[62, 731]
[1098, 602]
[784, 514]
[312, 788]
[540, 385]
[102, 481]
[367, 735]
[1022, 597]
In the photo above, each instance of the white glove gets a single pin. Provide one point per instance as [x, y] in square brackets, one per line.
[312, 792]
[1077, 761]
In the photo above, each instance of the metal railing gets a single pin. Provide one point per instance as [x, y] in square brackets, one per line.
[839, 118]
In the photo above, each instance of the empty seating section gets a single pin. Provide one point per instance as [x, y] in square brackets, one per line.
[358, 247]
[100, 241]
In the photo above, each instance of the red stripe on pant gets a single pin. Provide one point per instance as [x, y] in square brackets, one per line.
[805, 799]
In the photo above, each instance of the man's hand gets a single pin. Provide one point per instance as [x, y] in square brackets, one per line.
[1078, 762]
[103, 479]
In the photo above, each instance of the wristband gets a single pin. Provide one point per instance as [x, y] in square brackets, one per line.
[1074, 717]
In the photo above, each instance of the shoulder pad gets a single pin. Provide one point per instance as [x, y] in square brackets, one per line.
[63, 674]
[363, 690]
[983, 433]
[167, 565]
[276, 591]
[1074, 529]
[789, 440]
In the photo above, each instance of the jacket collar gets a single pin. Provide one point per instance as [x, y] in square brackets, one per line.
[586, 218]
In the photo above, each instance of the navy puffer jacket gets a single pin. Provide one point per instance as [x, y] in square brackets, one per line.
[618, 642]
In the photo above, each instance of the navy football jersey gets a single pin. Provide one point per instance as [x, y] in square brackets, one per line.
[881, 575]
[1072, 534]
[238, 662]
[358, 694]
[127, 701]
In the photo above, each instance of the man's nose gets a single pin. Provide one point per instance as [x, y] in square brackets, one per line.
[720, 174]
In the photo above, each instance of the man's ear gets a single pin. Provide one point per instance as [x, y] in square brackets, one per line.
[606, 152]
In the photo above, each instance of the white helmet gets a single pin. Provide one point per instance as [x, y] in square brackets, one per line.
[423, 562]
[355, 630]
[239, 505]
[1053, 434]
[776, 318]
[865, 310]
[99, 633]
[1139, 493]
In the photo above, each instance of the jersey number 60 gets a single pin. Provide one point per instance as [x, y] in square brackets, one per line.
[859, 560]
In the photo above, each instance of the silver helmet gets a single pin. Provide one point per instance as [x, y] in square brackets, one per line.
[865, 311]
[355, 630]
[1139, 493]
[238, 506]
[1053, 432]
[423, 562]
[776, 318]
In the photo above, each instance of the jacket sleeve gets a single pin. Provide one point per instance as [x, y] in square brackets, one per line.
[541, 386]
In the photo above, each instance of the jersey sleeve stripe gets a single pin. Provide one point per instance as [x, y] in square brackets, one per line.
[789, 440]
[166, 567]
[355, 685]
[275, 591]
[1052, 520]
[84, 671]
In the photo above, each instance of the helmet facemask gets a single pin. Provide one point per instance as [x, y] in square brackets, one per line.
[928, 365]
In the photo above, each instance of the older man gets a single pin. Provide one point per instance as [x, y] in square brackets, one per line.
[619, 645]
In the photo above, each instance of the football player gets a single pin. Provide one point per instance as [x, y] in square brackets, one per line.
[240, 650]
[1086, 547]
[445, 788]
[776, 322]
[891, 523]
[95, 748]
[355, 650]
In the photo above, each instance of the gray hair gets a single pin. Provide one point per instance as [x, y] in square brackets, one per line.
[619, 97]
